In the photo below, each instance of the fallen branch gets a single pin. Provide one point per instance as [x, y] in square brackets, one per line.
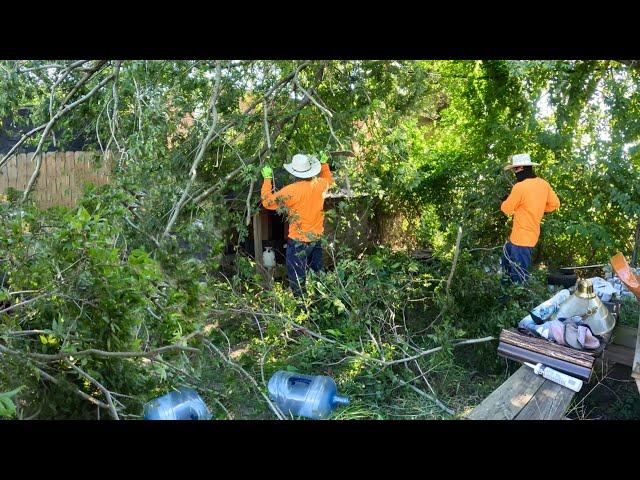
[455, 259]
[265, 149]
[237, 367]
[424, 394]
[434, 397]
[80, 393]
[203, 148]
[98, 353]
[133, 225]
[53, 65]
[387, 363]
[22, 304]
[107, 393]
[61, 112]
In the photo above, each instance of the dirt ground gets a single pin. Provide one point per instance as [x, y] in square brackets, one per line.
[611, 395]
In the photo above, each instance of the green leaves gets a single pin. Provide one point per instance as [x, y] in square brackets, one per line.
[7, 407]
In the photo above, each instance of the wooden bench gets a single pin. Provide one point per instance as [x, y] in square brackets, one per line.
[525, 396]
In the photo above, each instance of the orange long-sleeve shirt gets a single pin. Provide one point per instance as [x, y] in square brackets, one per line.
[528, 202]
[304, 201]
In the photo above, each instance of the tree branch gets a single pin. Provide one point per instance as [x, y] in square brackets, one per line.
[276, 133]
[107, 393]
[455, 258]
[203, 148]
[61, 112]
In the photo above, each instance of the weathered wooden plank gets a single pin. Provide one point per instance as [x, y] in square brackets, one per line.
[43, 181]
[12, 172]
[18, 160]
[635, 369]
[547, 348]
[549, 403]
[3, 178]
[522, 355]
[257, 239]
[73, 190]
[25, 168]
[618, 354]
[625, 336]
[82, 173]
[58, 173]
[70, 164]
[508, 399]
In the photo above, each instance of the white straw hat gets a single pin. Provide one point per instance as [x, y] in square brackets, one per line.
[520, 160]
[303, 166]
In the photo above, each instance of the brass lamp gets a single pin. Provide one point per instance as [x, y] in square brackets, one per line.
[585, 303]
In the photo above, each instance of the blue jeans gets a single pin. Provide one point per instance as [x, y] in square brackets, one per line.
[516, 261]
[300, 257]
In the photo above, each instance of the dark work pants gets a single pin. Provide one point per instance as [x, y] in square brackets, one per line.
[516, 261]
[300, 257]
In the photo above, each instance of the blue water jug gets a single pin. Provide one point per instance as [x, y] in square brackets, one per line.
[310, 396]
[185, 404]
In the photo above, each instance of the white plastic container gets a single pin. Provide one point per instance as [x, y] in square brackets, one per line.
[558, 377]
[269, 258]
[545, 309]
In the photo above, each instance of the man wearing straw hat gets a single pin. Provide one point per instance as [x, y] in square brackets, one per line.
[304, 202]
[530, 198]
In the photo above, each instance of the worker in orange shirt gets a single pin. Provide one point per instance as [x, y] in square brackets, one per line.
[303, 201]
[530, 198]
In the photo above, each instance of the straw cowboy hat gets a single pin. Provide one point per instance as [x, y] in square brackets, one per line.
[303, 166]
[520, 160]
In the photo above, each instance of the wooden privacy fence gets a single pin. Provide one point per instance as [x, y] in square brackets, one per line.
[62, 175]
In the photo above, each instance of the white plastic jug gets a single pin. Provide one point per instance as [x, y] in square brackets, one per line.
[269, 257]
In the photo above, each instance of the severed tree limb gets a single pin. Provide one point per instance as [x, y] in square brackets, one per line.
[248, 219]
[55, 381]
[21, 304]
[237, 367]
[133, 225]
[308, 95]
[107, 393]
[53, 65]
[434, 398]
[80, 393]
[265, 149]
[113, 119]
[203, 148]
[64, 74]
[270, 138]
[426, 395]
[98, 353]
[387, 363]
[88, 75]
[325, 112]
[455, 258]
[43, 126]
[24, 138]
[61, 112]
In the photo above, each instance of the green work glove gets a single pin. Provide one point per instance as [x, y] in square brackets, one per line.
[267, 172]
[324, 158]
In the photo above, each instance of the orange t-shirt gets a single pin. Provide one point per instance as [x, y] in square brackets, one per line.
[304, 201]
[528, 202]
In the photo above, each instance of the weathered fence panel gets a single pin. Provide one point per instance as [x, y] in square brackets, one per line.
[62, 175]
